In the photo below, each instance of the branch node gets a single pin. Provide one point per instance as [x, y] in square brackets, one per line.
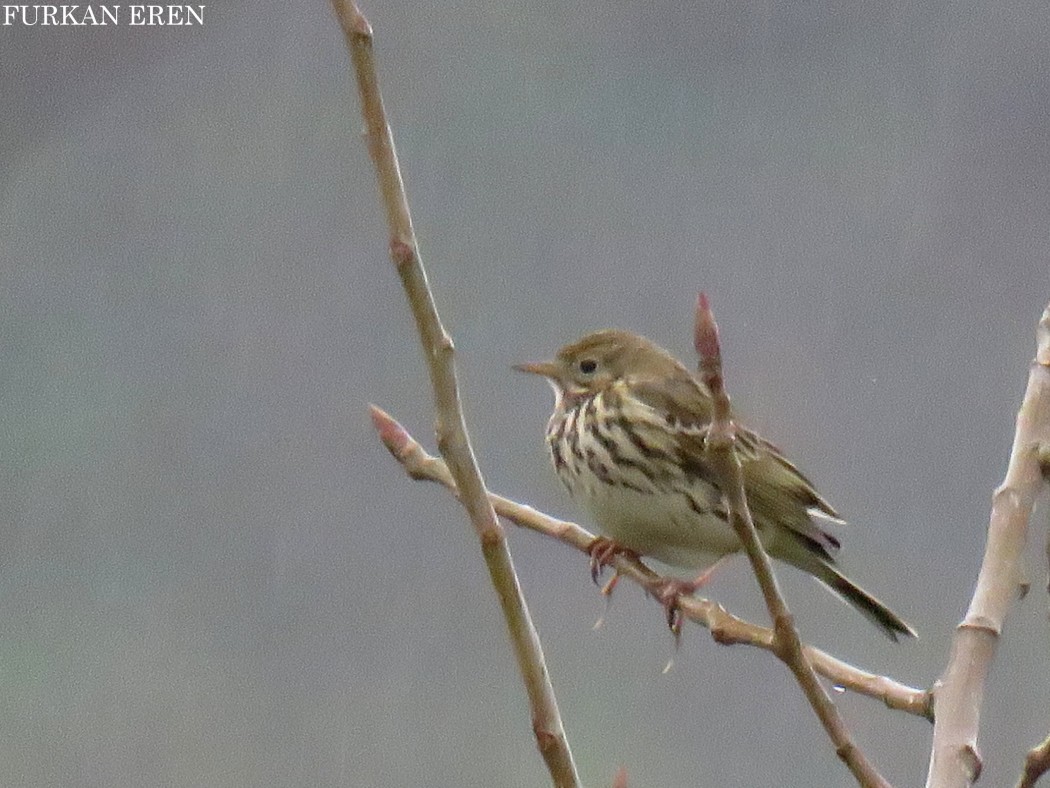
[1043, 453]
[491, 537]
[359, 26]
[403, 254]
[355, 27]
[979, 623]
[544, 738]
[971, 760]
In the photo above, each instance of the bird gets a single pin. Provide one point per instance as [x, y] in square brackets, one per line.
[627, 440]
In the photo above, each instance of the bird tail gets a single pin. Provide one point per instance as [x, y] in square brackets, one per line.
[870, 607]
[844, 588]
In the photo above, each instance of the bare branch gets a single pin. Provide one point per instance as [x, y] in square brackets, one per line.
[955, 759]
[724, 627]
[1036, 764]
[451, 429]
[721, 442]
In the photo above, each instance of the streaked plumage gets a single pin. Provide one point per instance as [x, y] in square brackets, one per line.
[627, 440]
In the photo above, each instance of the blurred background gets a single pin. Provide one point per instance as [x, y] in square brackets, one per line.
[213, 575]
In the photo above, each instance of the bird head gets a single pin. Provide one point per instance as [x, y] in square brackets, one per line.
[596, 361]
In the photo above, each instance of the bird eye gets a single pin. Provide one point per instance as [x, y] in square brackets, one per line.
[588, 365]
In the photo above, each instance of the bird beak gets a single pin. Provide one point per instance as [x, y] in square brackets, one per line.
[547, 369]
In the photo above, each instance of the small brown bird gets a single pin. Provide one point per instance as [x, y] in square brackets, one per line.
[627, 440]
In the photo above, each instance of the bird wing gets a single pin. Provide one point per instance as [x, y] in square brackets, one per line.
[776, 488]
[760, 458]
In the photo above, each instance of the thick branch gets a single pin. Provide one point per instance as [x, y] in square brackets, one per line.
[955, 761]
[787, 646]
[725, 628]
[452, 437]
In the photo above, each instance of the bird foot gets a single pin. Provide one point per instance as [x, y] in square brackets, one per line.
[602, 551]
[667, 590]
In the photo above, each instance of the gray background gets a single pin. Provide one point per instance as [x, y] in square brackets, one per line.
[212, 575]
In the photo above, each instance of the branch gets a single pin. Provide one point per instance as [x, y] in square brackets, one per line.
[724, 627]
[452, 438]
[1036, 764]
[721, 442]
[955, 760]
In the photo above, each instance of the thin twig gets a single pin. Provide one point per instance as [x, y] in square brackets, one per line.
[955, 761]
[725, 628]
[721, 440]
[452, 438]
[1036, 764]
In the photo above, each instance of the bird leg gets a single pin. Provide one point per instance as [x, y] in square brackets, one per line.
[708, 574]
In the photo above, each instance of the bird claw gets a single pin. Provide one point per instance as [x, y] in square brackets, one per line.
[667, 591]
[602, 551]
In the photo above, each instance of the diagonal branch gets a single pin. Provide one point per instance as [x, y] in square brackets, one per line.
[725, 628]
[451, 429]
[955, 761]
[721, 442]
